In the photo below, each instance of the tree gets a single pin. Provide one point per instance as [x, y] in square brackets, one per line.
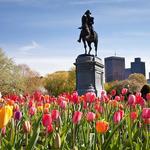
[31, 79]
[134, 83]
[60, 82]
[16, 78]
[140, 78]
[8, 75]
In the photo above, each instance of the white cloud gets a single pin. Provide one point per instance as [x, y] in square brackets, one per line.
[27, 48]
[47, 65]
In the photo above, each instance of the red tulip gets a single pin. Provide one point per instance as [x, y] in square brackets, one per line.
[133, 115]
[37, 96]
[90, 97]
[131, 99]
[55, 114]
[113, 92]
[140, 100]
[77, 117]
[50, 128]
[46, 120]
[75, 98]
[90, 116]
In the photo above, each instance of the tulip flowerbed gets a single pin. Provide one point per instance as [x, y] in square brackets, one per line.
[72, 122]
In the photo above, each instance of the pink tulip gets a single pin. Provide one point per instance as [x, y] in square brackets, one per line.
[77, 117]
[103, 92]
[63, 104]
[55, 114]
[146, 113]
[124, 91]
[3, 131]
[117, 98]
[118, 116]
[148, 96]
[90, 97]
[131, 99]
[32, 111]
[90, 116]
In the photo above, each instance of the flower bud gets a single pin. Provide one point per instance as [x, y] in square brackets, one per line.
[75, 148]
[58, 122]
[27, 127]
[17, 115]
[57, 141]
[3, 130]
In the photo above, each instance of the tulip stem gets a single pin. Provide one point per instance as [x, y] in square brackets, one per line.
[26, 139]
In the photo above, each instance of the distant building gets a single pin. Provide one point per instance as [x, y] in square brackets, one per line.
[114, 68]
[127, 72]
[138, 66]
[148, 80]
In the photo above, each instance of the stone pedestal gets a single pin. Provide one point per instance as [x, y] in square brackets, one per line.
[89, 74]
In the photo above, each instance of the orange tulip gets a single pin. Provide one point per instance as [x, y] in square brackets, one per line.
[5, 115]
[102, 126]
[47, 105]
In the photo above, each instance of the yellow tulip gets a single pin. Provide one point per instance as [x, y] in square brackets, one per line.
[5, 115]
[40, 108]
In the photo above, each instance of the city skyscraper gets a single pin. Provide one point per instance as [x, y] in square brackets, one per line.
[114, 68]
[138, 66]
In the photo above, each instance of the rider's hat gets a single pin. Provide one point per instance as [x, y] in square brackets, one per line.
[88, 12]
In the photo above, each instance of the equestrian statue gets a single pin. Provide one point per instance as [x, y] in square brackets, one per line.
[87, 34]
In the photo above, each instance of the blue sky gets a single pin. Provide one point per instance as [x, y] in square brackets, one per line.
[43, 33]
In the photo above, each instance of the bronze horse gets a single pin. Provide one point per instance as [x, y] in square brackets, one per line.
[88, 40]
